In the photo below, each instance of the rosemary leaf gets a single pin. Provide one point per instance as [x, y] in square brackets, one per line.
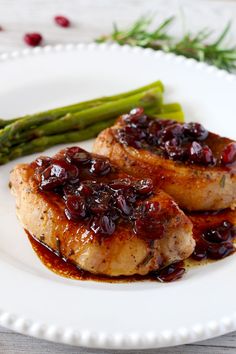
[193, 46]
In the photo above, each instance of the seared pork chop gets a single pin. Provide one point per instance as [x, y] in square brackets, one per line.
[195, 167]
[97, 217]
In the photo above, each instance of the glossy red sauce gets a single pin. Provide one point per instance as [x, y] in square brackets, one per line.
[68, 270]
[90, 191]
[214, 233]
[201, 222]
[188, 143]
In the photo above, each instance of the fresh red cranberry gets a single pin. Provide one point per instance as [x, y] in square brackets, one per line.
[62, 21]
[228, 155]
[103, 225]
[100, 167]
[33, 39]
[75, 208]
[195, 131]
[170, 273]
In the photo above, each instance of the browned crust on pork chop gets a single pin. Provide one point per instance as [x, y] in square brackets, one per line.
[193, 187]
[122, 253]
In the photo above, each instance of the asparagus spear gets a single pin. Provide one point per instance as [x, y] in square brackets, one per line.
[171, 107]
[45, 142]
[178, 116]
[51, 115]
[165, 108]
[84, 118]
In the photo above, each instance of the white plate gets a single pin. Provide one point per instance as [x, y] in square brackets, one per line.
[37, 302]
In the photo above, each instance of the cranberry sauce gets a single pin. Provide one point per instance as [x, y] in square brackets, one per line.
[214, 234]
[90, 192]
[65, 268]
[170, 139]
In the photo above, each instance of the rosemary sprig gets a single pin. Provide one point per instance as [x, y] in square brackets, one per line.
[195, 46]
[139, 35]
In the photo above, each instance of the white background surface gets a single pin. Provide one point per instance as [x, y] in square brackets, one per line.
[90, 19]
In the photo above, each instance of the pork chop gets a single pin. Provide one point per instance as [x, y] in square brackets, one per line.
[200, 173]
[143, 233]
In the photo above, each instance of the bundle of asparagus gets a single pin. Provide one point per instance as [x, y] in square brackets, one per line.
[37, 132]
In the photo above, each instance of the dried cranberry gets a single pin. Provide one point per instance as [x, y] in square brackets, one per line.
[136, 121]
[200, 154]
[75, 208]
[216, 236]
[57, 174]
[228, 155]
[148, 221]
[33, 39]
[77, 155]
[174, 131]
[70, 189]
[153, 131]
[122, 205]
[137, 112]
[175, 151]
[200, 252]
[144, 186]
[62, 21]
[219, 234]
[176, 141]
[130, 195]
[100, 167]
[43, 161]
[134, 115]
[219, 251]
[170, 273]
[121, 184]
[103, 225]
[131, 135]
[100, 202]
[85, 189]
[233, 232]
[195, 131]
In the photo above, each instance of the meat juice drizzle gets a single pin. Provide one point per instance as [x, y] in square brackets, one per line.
[214, 232]
[202, 221]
